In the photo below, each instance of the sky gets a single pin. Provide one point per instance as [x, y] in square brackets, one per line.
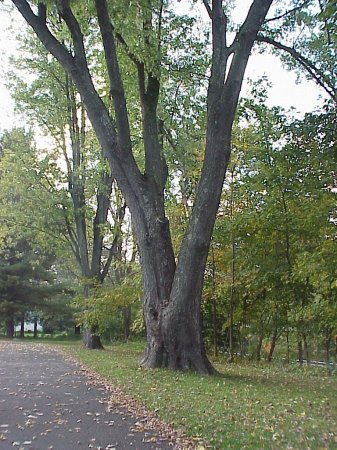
[285, 92]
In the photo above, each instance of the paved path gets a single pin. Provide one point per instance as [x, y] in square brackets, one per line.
[47, 403]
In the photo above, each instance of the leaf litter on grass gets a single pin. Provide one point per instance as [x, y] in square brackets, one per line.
[248, 407]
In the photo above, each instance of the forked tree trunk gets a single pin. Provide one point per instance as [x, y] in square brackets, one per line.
[172, 296]
[174, 326]
[174, 335]
[172, 299]
[10, 328]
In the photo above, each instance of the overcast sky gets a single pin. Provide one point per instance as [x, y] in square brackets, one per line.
[285, 92]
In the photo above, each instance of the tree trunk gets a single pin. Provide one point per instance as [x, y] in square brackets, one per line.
[306, 348]
[22, 327]
[288, 347]
[233, 275]
[259, 348]
[244, 340]
[215, 331]
[231, 337]
[214, 307]
[35, 328]
[126, 322]
[272, 346]
[300, 350]
[10, 328]
[91, 340]
[172, 311]
[327, 346]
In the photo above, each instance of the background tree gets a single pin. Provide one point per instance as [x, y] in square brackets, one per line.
[284, 212]
[26, 281]
[31, 231]
[92, 222]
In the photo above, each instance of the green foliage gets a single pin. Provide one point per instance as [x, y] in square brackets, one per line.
[32, 230]
[274, 243]
[26, 278]
[31, 205]
[99, 308]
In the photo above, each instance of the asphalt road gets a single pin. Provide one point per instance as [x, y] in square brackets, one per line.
[47, 402]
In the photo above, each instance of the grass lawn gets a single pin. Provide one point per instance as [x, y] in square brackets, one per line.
[249, 406]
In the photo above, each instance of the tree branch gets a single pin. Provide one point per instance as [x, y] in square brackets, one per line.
[220, 52]
[115, 244]
[208, 8]
[79, 72]
[160, 25]
[46, 37]
[116, 84]
[76, 33]
[313, 71]
[131, 55]
[137, 62]
[149, 85]
[112, 253]
[72, 237]
[100, 219]
[287, 13]
[244, 42]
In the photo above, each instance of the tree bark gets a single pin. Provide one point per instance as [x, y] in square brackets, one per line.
[22, 327]
[259, 348]
[300, 350]
[272, 346]
[10, 328]
[288, 346]
[126, 322]
[92, 340]
[327, 340]
[35, 328]
[306, 348]
[215, 328]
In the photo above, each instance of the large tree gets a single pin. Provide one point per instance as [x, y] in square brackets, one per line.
[172, 290]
